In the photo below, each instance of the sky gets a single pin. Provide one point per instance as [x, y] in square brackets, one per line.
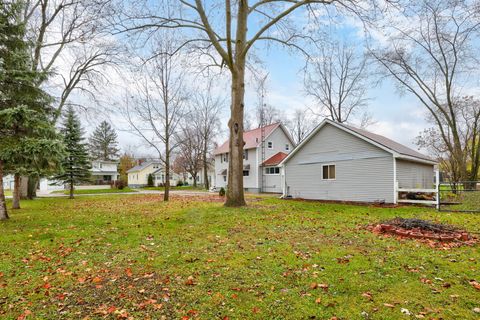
[398, 117]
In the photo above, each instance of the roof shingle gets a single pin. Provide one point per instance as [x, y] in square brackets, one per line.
[252, 138]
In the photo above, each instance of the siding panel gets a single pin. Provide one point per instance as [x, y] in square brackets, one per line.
[415, 175]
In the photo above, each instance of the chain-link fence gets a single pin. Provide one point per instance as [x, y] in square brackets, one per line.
[460, 196]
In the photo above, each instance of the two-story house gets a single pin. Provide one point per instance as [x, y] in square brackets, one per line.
[261, 172]
[104, 172]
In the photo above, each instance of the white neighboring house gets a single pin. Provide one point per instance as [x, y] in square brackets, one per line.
[104, 172]
[343, 163]
[261, 170]
[138, 175]
[8, 182]
[187, 177]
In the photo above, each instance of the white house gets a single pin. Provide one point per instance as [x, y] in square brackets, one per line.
[138, 175]
[104, 172]
[8, 182]
[343, 163]
[263, 151]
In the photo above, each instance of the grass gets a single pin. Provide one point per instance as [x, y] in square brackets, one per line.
[176, 188]
[192, 258]
[8, 192]
[96, 191]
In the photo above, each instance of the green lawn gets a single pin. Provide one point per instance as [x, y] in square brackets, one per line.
[96, 191]
[176, 188]
[136, 256]
[8, 192]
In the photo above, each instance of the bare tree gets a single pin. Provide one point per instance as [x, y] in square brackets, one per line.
[157, 107]
[205, 115]
[336, 79]
[468, 123]
[301, 123]
[190, 149]
[433, 59]
[69, 44]
[219, 28]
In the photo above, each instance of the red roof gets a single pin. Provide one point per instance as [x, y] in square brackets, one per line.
[252, 138]
[275, 159]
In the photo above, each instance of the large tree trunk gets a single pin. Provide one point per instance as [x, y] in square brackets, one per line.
[235, 192]
[195, 180]
[16, 191]
[32, 187]
[3, 204]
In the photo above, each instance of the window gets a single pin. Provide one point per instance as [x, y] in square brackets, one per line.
[225, 157]
[328, 172]
[270, 145]
[287, 147]
[100, 165]
[225, 178]
[246, 173]
[272, 170]
[245, 154]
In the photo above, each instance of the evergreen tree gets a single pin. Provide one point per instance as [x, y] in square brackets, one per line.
[76, 164]
[103, 143]
[28, 141]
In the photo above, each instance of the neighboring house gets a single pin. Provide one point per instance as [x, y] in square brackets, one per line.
[8, 182]
[188, 179]
[340, 162]
[261, 171]
[138, 175]
[104, 172]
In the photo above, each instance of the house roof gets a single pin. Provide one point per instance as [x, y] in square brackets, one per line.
[398, 150]
[142, 166]
[276, 159]
[252, 138]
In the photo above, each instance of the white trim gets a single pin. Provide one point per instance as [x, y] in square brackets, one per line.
[327, 165]
[395, 182]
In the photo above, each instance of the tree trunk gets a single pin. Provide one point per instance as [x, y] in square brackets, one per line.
[235, 192]
[195, 180]
[23, 188]
[71, 190]
[32, 187]
[16, 191]
[3, 204]
[205, 166]
[166, 194]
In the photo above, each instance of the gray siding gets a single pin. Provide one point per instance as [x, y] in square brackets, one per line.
[364, 172]
[415, 175]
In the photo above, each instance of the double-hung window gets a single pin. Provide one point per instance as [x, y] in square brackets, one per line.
[328, 172]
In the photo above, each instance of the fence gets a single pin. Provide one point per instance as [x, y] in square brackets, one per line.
[461, 196]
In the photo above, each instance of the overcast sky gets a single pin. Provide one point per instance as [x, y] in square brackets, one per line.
[399, 117]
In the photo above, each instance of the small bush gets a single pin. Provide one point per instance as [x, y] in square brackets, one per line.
[179, 183]
[150, 182]
[221, 193]
[118, 184]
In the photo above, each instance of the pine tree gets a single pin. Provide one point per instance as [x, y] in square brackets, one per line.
[76, 164]
[103, 143]
[28, 141]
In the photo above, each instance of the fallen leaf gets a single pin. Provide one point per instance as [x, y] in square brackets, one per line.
[129, 272]
[190, 281]
[388, 305]
[475, 284]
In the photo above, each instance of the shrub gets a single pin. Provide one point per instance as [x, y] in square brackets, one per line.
[150, 182]
[118, 184]
[221, 193]
[179, 183]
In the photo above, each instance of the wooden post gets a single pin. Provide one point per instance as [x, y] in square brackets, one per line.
[437, 187]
